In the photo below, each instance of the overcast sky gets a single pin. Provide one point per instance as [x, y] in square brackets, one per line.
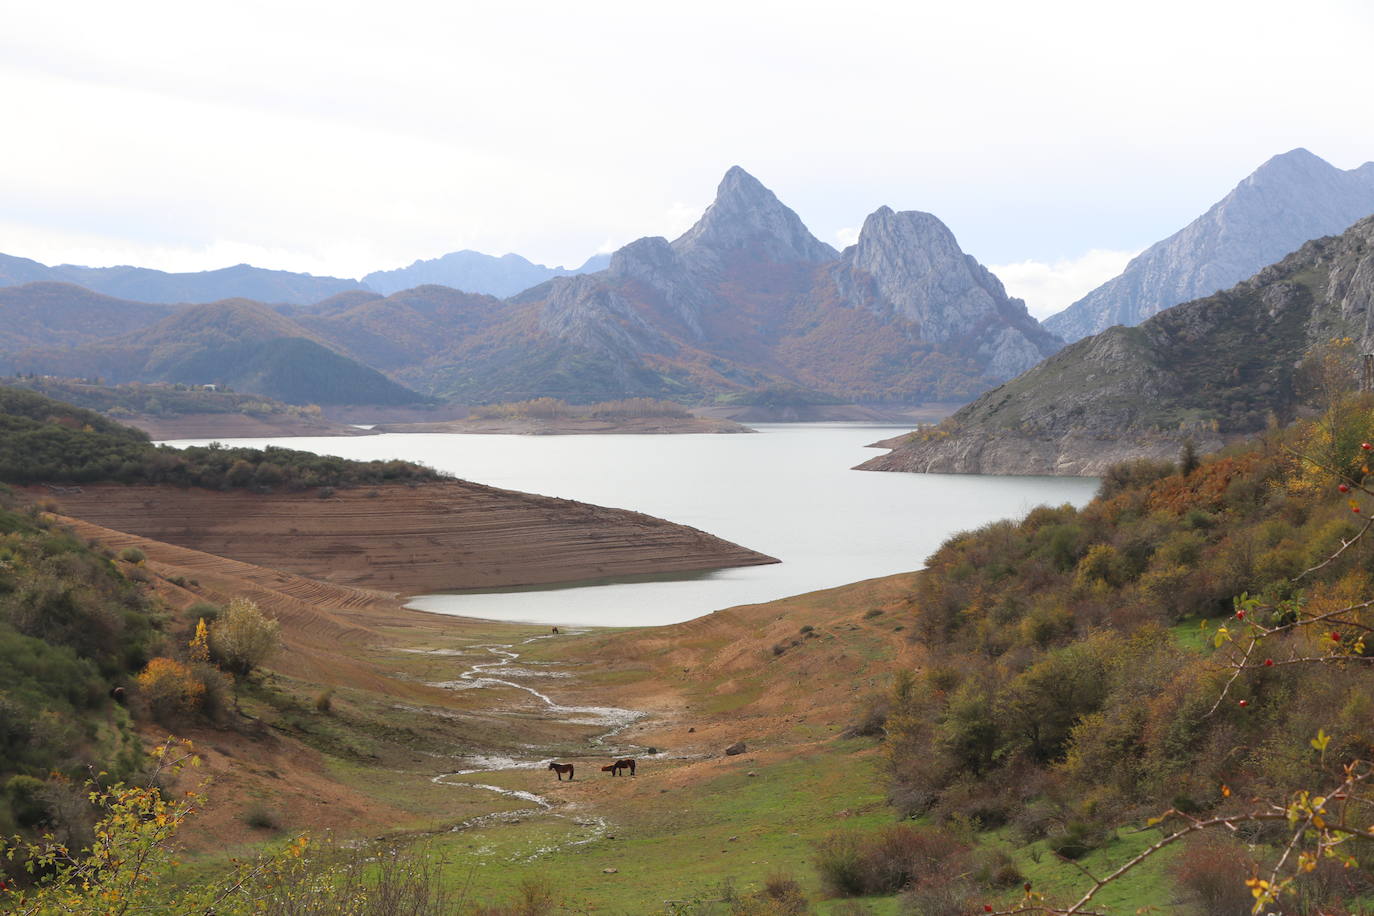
[1055, 138]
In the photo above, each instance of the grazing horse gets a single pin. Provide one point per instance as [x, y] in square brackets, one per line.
[561, 768]
[625, 763]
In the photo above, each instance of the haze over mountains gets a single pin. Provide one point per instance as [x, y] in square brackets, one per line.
[746, 299]
[1290, 199]
[470, 271]
[474, 272]
[746, 303]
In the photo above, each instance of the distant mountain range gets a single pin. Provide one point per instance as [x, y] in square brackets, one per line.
[1291, 199]
[236, 343]
[471, 271]
[474, 272]
[1206, 370]
[145, 285]
[746, 300]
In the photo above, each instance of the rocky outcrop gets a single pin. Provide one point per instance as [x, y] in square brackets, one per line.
[909, 265]
[1290, 199]
[1207, 370]
[747, 220]
[656, 264]
[747, 300]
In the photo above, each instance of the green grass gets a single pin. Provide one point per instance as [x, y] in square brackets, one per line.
[732, 826]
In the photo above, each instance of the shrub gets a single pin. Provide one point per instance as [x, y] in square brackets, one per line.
[1211, 872]
[170, 689]
[132, 555]
[27, 797]
[1076, 840]
[203, 610]
[324, 701]
[259, 817]
[243, 638]
[895, 858]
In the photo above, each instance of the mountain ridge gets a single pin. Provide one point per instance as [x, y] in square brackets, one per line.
[1208, 370]
[1290, 199]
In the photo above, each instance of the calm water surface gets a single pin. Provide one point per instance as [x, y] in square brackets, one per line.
[786, 492]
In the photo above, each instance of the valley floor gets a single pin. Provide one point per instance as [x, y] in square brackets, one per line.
[440, 729]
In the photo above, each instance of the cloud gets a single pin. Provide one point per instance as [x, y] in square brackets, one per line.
[1050, 287]
[849, 235]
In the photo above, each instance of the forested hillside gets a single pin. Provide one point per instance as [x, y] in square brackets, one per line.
[1194, 639]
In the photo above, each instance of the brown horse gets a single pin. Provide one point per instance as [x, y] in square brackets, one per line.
[625, 763]
[561, 768]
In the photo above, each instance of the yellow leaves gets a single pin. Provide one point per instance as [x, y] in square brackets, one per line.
[1320, 742]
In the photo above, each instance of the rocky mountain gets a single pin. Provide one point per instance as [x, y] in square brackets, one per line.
[1288, 200]
[145, 285]
[237, 343]
[746, 300]
[474, 272]
[1206, 370]
[749, 298]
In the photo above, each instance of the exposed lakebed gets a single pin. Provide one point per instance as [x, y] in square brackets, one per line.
[788, 492]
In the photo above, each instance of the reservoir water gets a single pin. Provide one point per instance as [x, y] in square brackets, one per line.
[787, 491]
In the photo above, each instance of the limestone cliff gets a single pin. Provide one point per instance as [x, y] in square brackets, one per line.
[1206, 370]
[1288, 200]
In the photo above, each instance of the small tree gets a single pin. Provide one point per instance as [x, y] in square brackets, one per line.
[243, 637]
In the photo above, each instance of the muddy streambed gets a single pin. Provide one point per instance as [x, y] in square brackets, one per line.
[607, 721]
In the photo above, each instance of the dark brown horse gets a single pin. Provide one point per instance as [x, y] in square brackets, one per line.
[561, 768]
[625, 763]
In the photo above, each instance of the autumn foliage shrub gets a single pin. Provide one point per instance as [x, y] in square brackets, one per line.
[170, 689]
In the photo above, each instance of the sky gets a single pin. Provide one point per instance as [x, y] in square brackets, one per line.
[1055, 138]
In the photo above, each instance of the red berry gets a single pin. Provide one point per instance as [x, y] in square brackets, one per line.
[1366, 446]
[1240, 615]
[1335, 637]
[1268, 663]
[1343, 488]
[1355, 509]
[1244, 703]
[987, 908]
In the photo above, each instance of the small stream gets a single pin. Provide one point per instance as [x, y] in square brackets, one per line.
[479, 676]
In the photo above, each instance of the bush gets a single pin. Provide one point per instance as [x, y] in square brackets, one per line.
[1076, 840]
[1211, 872]
[27, 798]
[858, 865]
[170, 689]
[132, 555]
[243, 638]
[324, 701]
[203, 610]
[259, 817]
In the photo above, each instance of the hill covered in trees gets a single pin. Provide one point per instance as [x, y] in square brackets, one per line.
[1194, 640]
[47, 441]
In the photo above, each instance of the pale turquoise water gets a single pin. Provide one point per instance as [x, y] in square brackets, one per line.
[786, 491]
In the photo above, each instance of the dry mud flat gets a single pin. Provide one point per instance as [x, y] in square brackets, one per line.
[238, 426]
[410, 540]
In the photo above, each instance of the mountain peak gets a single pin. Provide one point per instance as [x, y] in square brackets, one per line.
[746, 217]
[1296, 162]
